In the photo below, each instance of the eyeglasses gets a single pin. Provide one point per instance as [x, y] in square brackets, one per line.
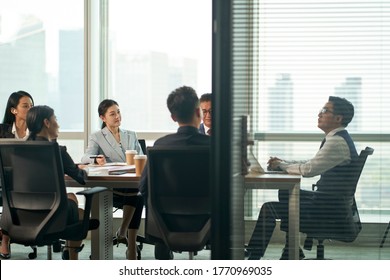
[326, 110]
[206, 111]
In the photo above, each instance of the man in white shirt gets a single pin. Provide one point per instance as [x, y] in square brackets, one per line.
[332, 162]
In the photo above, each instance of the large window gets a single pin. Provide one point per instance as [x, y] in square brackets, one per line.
[42, 52]
[312, 49]
[154, 47]
[309, 50]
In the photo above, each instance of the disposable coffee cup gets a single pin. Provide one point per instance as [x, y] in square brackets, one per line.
[130, 156]
[139, 161]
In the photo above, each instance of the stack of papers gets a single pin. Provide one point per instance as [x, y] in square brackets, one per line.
[112, 168]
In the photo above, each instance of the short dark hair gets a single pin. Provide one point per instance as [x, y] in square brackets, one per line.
[182, 103]
[343, 107]
[13, 101]
[36, 117]
[206, 97]
[103, 107]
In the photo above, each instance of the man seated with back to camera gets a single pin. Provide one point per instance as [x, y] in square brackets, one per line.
[332, 162]
[183, 104]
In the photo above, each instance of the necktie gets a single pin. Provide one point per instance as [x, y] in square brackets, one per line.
[209, 131]
[323, 142]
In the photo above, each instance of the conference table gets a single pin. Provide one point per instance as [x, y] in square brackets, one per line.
[292, 183]
[102, 208]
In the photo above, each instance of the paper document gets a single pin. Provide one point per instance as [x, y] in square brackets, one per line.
[115, 164]
[109, 169]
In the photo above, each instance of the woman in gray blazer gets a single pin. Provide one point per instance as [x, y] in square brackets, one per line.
[110, 145]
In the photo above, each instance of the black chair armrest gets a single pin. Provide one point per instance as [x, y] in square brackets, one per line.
[92, 191]
[88, 193]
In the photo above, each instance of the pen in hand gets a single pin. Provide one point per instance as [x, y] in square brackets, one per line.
[98, 157]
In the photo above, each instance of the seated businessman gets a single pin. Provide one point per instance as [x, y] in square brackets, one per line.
[333, 162]
[183, 104]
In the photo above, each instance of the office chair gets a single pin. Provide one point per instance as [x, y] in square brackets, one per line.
[34, 253]
[179, 203]
[142, 143]
[34, 195]
[340, 219]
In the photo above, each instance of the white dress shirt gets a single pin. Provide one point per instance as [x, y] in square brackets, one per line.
[14, 132]
[104, 143]
[334, 152]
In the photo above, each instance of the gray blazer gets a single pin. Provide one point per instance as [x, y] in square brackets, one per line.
[103, 142]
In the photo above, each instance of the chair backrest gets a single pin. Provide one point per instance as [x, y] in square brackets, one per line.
[359, 165]
[34, 193]
[352, 219]
[142, 143]
[179, 203]
[339, 218]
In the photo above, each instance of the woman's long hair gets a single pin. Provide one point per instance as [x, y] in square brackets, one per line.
[13, 102]
[103, 107]
[35, 119]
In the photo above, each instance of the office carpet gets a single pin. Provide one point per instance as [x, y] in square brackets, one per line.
[333, 250]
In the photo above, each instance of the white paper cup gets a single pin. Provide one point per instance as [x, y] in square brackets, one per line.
[140, 162]
[130, 156]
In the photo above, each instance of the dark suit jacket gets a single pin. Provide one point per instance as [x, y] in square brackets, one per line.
[6, 131]
[70, 168]
[185, 136]
[201, 129]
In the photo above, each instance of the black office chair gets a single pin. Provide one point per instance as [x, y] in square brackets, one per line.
[34, 195]
[142, 143]
[340, 219]
[179, 203]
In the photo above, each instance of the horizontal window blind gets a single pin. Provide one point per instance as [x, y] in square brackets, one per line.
[309, 50]
[312, 49]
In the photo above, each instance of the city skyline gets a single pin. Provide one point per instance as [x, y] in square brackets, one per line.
[302, 60]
